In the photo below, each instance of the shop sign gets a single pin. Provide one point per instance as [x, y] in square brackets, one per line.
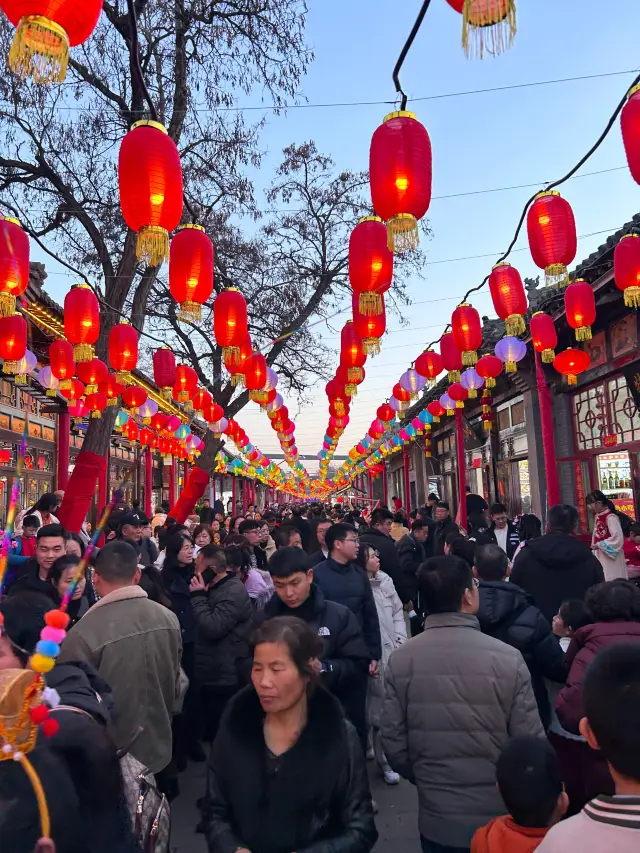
[625, 505]
[610, 440]
[582, 510]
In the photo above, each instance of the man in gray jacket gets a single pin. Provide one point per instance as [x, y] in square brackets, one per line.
[454, 697]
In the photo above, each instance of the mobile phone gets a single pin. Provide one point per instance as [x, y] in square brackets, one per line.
[208, 575]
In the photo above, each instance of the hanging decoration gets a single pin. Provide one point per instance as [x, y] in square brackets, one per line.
[48, 381]
[134, 396]
[400, 172]
[370, 264]
[111, 389]
[436, 410]
[74, 390]
[544, 336]
[447, 404]
[412, 382]
[191, 271]
[472, 382]
[96, 403]
[164, 371]
[61, 360]
[580, 308]
[571, 363]
[511, 350]
[626, 264]
[123, 350]
[553, 240]
[369, 327]
[486, 25]
[385, 413]
[509, 297]
[458, 393]
[14, 264]
[255, 376]
[82, 321]
[13, 342]
[235, 360]
[451, 357]
[487, 413]
[489, 367]
[467, 332]
[429, 365]
[230, 324]
[630, 126]
[92, 373]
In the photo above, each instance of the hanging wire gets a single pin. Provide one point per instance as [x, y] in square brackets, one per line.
[405, 50]
[135, 60]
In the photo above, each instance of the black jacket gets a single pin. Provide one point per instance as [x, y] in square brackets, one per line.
[207, 514]
[507, 613]
[411, 554]
[318, 799]
[27, 577]
[223, 623]
[349, 585]
[177, 580]
[304, 529]
[513, 538]
[317, 557]
[147, 551]
[442, 529]
[554, 568]
[389, 560]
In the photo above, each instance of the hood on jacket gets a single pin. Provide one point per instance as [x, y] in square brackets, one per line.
[500, 602]
[503, 835]
[276, 607]
[558, 550]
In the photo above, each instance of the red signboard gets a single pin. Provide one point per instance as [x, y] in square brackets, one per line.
[625, 505]
[582, 509]
[610, 440]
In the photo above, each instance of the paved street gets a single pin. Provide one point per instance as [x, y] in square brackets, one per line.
[397, 820]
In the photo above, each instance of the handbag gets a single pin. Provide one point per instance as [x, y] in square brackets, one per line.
[149, 809]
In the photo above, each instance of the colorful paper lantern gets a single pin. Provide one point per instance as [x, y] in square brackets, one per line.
[580, 308]
[553, 240]
[447, 404]
[185, 384]
[134, 396]
[630, 126]
[467, 332]
[510, 350]
[96, 403]
[92, 373]
[13, 342]
[451, 357]
[429, 365]
[352, 354]
[385, 413]
[370, 263]
[458, 393]
[14, 264]
[509, 297]
[486, 25]
[255, 375]
[489, 367]
[626, 262]
[400, 393]
[74, 390]
[48, 381]
[471, 381]
[191, 271]
[571, 363]
[147, 410]
[544, 336]
[164, 371]
[123, 350]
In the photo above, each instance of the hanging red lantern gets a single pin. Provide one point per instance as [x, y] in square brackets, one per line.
[630, 126]
[96, 403]
[580, 307]
[13, 342]
[150, 178]
[214, 413]
[123, 350]
[5, 456]
[486, 25]
[336, 394]
[191, 271]
[185, 384]
[132, 431]
[400, 177]
[45, 30]
[255, 375]
[134, 396]
[235, 360]
[626, 267]
[467, 332]
[489, 367]
[385, 413]
[92, 373]
[370, 263]
[14, 264]
[377, 427]
[369, 327]
[552, 236]
[571, 363]
[429, 365]
[73, 391]
[159, 421]
[458, 394]
[400, 393]
[164, 371]
[112, 389]
[81, 321]
[436, 410]
[352, 354]
[199, 400]
[544, 336]
[146, 436]
[451, 357]
[61, 361]
[350, 385]
[230, 324]
[509, 297]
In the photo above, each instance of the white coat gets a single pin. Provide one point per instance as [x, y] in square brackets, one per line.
[610, 550]
[393, 633]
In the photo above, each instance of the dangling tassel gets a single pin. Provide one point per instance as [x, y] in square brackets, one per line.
[8, 304]
[190, 312]
[459, 404]
[230, 356]
[583, 333]
[488, 25]
[355, 374]
[82, 352]
[402, 233]
[166, 393]
[351, 390]
[370, 303]
[510, 367]
[40, 49]
[631, 298]
[12, 367]
[490, 382]
[90, 389]
[548, 355]
[96, 414]
[50, 392]
[472, 393]
[21, 379]
[514, 325]
[572, 379]
[556, 275]
[454, 376]
[371, 346]
[112, 401]
[153, 245]
[469, 358]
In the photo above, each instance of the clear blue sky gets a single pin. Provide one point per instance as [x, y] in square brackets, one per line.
[482, 141]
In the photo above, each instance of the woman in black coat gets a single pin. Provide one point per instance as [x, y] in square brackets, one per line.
[287, 770]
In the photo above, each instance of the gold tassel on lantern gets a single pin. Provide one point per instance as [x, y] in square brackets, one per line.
[556, 275]
[123, 377]
[472, 393]
[510, 367]
[355, 374]
[40, 49]
[83, 352]
[153, 245]
[11, 367]
[572, 379]
[166, 394]
[548, 355]
[583, 333]
[402, 233]
[488, 25]
[50, 392]
[112, 401]
[370, 304]
[96, 414]
[514, 325]
[8, 304]
[371, 346]
[21, 379]
[190, 312]
[469, 358]
[631, 297]
[453, 376]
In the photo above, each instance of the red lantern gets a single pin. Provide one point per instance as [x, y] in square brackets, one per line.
[337, 396]
[429, 365]
[385, 413]
[255, 376]
[580, 307]
[73, 391]
[111, 388]
[435, 410]
[458, 394]
[370, 263]
[96, 403]
[5, 456]
[159, 421]
[164, 371]
[400, 177]
[61, 361]
[185, 384]
[45, 31]
[132, 431]
[150, 178]
[13, 342]
[400, 394]
[451, 357]
[134, 396]
[82, 321]
[92, 373]
[489, 367]
[552, 236]
[350, 385]
[544, 336]
[377, 427]
[352, 355]
[123, 350]
[191, 271]
[214, 413]
[230, 325]
[146, 436]
[509, 297]
[199, 399]
[571, 363]
[626, 267]
[369, 327]
[467, 332]
[630, 126]
[14, 264]
[487, 25]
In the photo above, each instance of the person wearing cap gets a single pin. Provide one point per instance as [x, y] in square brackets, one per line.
[130, 530]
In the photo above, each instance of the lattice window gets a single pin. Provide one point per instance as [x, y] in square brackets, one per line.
[623, 414]
[590, 412]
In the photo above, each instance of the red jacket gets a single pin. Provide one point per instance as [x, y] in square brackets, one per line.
[585, 645]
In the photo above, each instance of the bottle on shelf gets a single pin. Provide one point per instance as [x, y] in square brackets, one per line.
[616, 481]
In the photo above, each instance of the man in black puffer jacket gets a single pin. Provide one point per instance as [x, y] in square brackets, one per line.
[507, 613]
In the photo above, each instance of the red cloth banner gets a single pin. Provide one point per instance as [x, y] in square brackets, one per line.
[193, 490]
[81, 489]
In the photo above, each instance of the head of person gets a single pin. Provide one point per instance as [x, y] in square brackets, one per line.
[152, 582]
[342, 542]
[264, 532]
[179, 550]
[562, 518]
[156, 532]
[597, 502]
[287, 536]
[462, 547]
[450, 539]
[285, 663]
[490, 563]
[50, 544]
[238, 560]
[62, 573]
[202, 535]
[74, 545]
[634, 533]
[234, 524]
[442, 511]
[270, 518]
[213, 558]
[614, 601]
[419, 530]
[394, 497]
[529, 527]
[382, 519]
[399, 518]
[215, 525]
[499, 516]
[292, 575]
[611, 699]
[530, 782]
[205, 503]
[48, 503]
[250, 529]
[227, 523]
[147, 530]
[116, 567]
[368, 558]
[131, 526]
[23, 620]
[432, 499]
[321, 532]
[30, 526]
[447, 585]
[572, 615]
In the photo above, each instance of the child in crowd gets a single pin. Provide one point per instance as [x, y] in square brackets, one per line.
[632, 553]
[23, 547]
[528, 777]
[611, 696]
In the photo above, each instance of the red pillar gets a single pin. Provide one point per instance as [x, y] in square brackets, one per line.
[462, 472]
[62, 473]
[103, 494]
[407, 485]
[370, 488]
[172, 482]
[548, 438]
[234, 493]
[148, 482]
[384, 483]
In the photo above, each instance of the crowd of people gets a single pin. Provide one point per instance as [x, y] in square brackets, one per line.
[496, 667]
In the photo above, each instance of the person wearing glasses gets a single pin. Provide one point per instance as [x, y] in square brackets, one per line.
[453, 698]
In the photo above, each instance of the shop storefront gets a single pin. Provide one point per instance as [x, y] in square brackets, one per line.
[512, 470]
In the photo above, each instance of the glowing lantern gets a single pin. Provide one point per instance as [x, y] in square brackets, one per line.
[61, 360]
[191, 271]
[74, 390]
[336, 394]
[451, 357]
[509, 297]
[134, 396]
[164, 371]
[400, 176]
[255, 375]
[14, 264]
[112, 389]
[630, 126]
[5, 456]
[552, 236]
[510, 351]
[448, 404]
[48, 381]
[400, 394]
[412, 382]
[147, 410]
[146, 436]
[571, 363]
[580, 307]
[352, 354]
[81, 321]
[370, 263]
[626, 267]
[369, 327]
[471, 381]
[96, 403]
[92, 373]
[159, 421]
[172, 424]
[199, 400]
[458, 394]
[150, 178]
[489, 367]
[235, 360]
[230, 325]
[77, 410]
[486, 25]
[214, 413]
[467, 332]
[350, 385]
[429, 365]
[385, 413]
[13, 342]
[543, 336]
[123, 350]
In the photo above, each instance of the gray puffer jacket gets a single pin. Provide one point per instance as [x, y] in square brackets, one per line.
[453, 699]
